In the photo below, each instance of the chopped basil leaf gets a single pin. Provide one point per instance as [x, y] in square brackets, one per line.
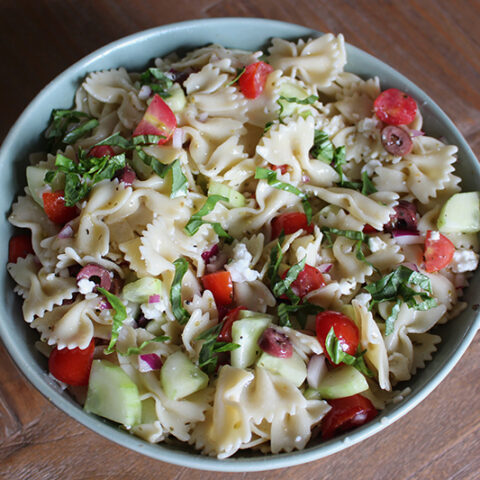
[267, 127]
[396, 287]
[119, 316]
[157, 81]
[323, 148]
[282, 286]
[350, 234]
[368, 186]
[271, 177]
[137, 350]
[196, 220]
[181, 267]
[116, 140]
[337, 355]
[147, 139]
[300, 310]
[208, 357]
[73, 135]
[276, 256]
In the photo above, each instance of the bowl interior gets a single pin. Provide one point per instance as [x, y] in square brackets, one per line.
[134, 53]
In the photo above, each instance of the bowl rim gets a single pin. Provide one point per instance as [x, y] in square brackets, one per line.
[194, 459]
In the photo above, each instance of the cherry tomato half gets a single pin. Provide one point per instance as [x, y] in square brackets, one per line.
[344, 328]
[395, 107]
[308, 280]
[72, 366]
[253, 79]
[100, 151]
[19, 246]
[439, 251]
[290, 223]
[347, 413]
[55, 208]
[225, 334]
[221, 286]
[157, 120]
[283, 169]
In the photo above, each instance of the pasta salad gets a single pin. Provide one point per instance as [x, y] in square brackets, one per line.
[241, 250]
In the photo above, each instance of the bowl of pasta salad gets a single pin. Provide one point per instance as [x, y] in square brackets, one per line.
[237, 244]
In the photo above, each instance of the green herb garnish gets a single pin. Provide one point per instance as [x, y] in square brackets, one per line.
[157, 81]
[181, 267]
[300, 310]
[137, 350]
[368, 186]
[301, 101]
[119, 316]
[323, 148]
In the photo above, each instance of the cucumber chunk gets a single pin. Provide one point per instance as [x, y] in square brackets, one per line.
[293, 368]
[290, 90]
[140, 290]
[177, 100]
[142, 170]
[342, 381]
[180, 377]
[36, 182]
[461, 213]
[235, 199]
[246, 333]
[251, 314]
[112, 394]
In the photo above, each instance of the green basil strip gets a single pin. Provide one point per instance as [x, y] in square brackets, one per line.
[276, 256]
[368, 187]
[300, 310]
[282, 286]
[181, 267]
[271, 177]
[350, 234]
[323, 148]
[137, 350]
[119, 316]
[196, 220]
[156, 79]
[147, 139]
[116, 140]
[390, 321]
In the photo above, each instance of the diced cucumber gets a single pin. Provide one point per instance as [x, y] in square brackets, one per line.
[290, 90]
[140, 290]
[251, 314]
[142, 170]
[112, 394]
[36, 182]
[235, 199]
[246, 333]
[180, 377]
[460, 214]
[312, 394]
[149, 413]
[177, 100]
[293, 368]
[342, 381]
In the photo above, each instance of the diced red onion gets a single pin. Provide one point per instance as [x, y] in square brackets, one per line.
[407, 237]
[104, 305]
[149, 361]
[177, 138]
[127, 176]
[212, 252]
[93, 270]
[154, 298]
[66, 231]
[316, 370]
[325, 267]
[144, 92]
[411, 266]
[305, 178]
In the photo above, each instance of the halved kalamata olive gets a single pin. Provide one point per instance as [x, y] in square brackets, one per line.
[127, 176]
[275, 343]
[404, 218]
[396, 140]
[92, 271]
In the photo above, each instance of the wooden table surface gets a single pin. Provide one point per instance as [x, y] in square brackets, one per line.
[434, 43]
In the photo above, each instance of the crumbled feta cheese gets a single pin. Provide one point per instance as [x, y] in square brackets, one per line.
[434, 236]
[85, 286]
[367, 125]
[376, 244]
[153, 310]
[464, 261]
[239, 267]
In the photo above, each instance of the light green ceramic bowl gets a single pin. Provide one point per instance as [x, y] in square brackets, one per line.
[134, 53]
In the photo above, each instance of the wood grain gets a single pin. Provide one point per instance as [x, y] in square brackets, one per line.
[434, 43]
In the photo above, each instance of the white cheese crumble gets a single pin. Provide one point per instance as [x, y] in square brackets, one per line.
[86, 286]
[434, 236]
[375, 244]
[239, 267]
[464, 261]
[153, 311]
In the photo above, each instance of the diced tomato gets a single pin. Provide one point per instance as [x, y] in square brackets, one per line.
[439, 251]
[253, 79]
[344, 328]
[281, 168]
[19, 247]
[347, 413]
[157, 120]
[290, 223]
[55, 208]
[72, 366]
[221, 285]
[225, 334]
[308, 280]
[100, 151]
[395, 107]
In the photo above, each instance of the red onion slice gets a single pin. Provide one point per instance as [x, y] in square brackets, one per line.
[406, 237]
[416, 133]
[206, 256]
[149, 361]
[66, 231]
[316, 370]
[92, 270]
[411, 266]
[154, 298]
[325, 267]
[126, 176]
